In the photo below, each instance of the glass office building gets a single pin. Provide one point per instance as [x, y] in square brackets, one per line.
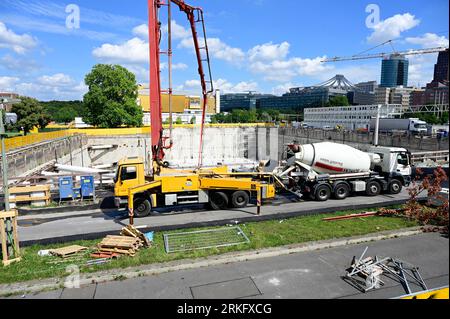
[394, 71]
[300, 98]
[246, 101]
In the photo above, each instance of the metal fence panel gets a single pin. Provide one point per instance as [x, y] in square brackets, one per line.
[204, 239]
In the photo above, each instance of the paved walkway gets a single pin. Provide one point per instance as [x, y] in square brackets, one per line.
[314, 274]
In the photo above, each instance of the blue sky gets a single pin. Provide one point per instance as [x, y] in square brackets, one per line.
[259, 45]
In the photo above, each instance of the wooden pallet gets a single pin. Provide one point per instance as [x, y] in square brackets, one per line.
[30, 194]
[133, 232]
[67, 251]
[5, 217]
[120, 244]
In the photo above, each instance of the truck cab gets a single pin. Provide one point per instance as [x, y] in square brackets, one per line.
[393, 162]
[417, 126]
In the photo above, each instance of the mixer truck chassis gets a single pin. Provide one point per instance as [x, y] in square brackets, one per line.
[343, 186]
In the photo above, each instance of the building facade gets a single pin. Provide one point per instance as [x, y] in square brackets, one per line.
[300, 98]
[349, 117]
[183, 107]
[8, 100]
[246, 101]
[394, 71]
[441, 67]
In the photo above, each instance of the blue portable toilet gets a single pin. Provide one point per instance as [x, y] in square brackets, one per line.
[65, 188]
[87, 187]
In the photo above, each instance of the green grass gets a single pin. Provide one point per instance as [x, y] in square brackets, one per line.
[261, 234]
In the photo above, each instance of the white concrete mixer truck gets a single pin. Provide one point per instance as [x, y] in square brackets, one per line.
[323, 170]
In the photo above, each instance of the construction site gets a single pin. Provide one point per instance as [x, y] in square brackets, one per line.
[202, 210]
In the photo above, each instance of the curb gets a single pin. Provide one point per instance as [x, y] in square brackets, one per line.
[185, 264]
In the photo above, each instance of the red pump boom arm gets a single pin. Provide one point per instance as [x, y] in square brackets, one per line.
[158, 140]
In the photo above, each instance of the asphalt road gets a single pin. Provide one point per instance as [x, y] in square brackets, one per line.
[92, 224]
[304, 275]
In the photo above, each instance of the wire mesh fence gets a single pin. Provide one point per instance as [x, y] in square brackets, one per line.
[204, 239]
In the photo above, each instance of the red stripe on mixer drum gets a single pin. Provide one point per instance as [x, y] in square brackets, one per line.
[329, 167]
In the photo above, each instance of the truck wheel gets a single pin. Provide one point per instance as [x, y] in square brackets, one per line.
[322, 193]
[373, 188]
[395, 187]
[142, 207]
[341, 191]
[239, 199]
[218, 201]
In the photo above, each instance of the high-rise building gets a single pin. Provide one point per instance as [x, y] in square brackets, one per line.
[394, 71]
[441, 67]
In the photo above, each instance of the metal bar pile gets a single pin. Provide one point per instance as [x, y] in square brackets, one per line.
[204, 239]
[366, 273]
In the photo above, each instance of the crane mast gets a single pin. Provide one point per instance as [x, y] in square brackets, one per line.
[194, 16]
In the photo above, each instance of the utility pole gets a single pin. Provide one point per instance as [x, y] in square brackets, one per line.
[377, 126]
[4, 159]
[5, 178]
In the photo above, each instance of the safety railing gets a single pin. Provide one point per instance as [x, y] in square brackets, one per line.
[23, 141]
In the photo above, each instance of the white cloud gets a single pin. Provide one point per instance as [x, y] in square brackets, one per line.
[56, 80]
[392, 28]
[228, 87]
[283, 88]
[178, 32]
[141, 31]
[134, 51]
[286, 70]
[7, 83]
[193, 87]
[19, 43]
[217, 49]
[421, 69]
[429, 40]
[269, 52]
[46, 87]
[18, 64]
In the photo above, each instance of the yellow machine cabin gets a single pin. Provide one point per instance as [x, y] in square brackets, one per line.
[214, 186]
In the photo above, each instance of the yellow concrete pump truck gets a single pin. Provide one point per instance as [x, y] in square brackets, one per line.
[214, 186]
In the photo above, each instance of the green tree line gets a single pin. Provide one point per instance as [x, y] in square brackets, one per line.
[247, 116]
[430, 118]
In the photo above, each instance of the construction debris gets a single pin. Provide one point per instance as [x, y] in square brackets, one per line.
[131, 231]
[68, 251]
[371, 269]
[128, 243]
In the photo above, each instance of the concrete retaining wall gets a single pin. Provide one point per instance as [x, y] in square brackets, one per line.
[25, 160]
[360, 141]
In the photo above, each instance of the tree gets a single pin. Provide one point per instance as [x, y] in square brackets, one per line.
[340, 100]
[30, 113]
[64, 111]
[111, 100]
[193, 120]
[179, 121]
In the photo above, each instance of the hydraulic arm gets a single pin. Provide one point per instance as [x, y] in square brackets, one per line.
[194, 15]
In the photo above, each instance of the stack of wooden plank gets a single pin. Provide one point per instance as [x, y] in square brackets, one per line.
[133, 232]
[120, 244]
[127, 244]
